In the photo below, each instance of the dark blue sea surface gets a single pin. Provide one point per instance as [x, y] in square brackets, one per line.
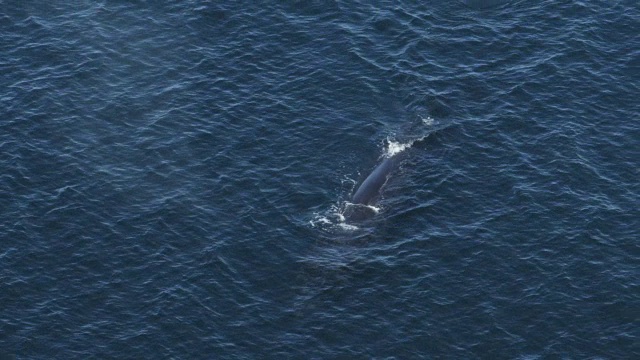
[175, 175]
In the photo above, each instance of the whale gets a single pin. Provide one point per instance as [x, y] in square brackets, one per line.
[362, 204]
[360, 207]
[370, 188]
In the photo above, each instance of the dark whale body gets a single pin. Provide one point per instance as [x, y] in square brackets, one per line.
[360, 207]
[370, 187]
[369, 191]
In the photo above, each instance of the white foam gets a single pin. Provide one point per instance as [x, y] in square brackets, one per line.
[319, 220]
[376, 209]
[331, 218]
[348, 227]
[394, 147]
[427, 121]
[334, 218]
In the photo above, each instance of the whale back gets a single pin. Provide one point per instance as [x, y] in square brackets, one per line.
[370, 187]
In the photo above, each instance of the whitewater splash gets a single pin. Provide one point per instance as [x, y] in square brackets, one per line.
[395, 147]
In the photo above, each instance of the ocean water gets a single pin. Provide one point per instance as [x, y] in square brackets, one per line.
[174, 178]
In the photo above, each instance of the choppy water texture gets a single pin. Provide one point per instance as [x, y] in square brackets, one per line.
[172, 175]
